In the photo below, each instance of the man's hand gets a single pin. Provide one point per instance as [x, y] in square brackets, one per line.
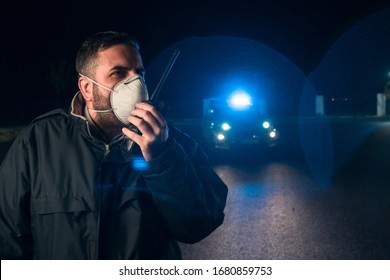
[153, 128]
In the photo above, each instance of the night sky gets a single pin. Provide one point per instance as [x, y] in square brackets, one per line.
[41, 38]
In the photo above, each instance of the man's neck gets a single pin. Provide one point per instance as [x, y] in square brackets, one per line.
[100, 129]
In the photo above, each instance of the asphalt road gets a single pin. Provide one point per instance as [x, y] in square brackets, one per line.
[323, 193]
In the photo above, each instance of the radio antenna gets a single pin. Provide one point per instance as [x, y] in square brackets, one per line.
[164, 76]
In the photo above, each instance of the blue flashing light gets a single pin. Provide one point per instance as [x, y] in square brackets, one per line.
[240, 100]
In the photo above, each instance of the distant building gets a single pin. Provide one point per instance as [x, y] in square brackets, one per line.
[386, 92]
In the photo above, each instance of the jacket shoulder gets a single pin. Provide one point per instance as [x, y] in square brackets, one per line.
[180, 136]
[57, 118]
[190, 145]
[51, 114]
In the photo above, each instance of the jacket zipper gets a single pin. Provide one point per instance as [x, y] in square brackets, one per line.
[94, 245]
[100, 201]
[106, 149]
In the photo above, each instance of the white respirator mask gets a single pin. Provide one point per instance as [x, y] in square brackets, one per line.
[124, 96]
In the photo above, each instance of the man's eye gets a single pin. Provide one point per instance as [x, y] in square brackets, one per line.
[120, 74]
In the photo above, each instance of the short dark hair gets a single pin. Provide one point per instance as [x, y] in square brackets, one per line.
[89, 49]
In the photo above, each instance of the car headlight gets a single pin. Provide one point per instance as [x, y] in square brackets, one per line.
[220, 137]
[266, 124]
[225, 126]
[272, 134]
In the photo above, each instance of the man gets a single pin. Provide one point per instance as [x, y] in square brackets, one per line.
[71, 186]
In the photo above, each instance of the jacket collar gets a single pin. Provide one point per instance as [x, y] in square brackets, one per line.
[121, 152]
[78, 105]
[79, 110]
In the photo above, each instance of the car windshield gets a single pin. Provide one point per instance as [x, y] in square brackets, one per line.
[225, 112]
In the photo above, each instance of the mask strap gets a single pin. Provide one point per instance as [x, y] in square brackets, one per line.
[100, 111]
[96, 83]
[100, 85]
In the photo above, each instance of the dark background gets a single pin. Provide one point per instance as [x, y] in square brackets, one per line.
[40, 39]
[323, 193]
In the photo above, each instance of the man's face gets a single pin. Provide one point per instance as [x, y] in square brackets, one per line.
[114, 64]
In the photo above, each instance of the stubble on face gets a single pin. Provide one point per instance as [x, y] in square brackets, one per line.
[102, 102]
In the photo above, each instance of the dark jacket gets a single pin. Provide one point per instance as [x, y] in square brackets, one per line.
[66, 195]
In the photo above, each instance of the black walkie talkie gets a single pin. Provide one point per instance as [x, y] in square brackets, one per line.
[159, 104]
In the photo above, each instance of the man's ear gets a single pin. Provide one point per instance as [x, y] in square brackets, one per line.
[86, 88]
